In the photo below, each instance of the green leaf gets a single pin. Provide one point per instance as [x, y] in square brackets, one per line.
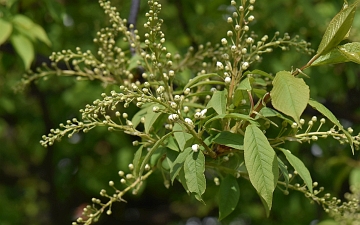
[136, 161]
[354, 178]
[284, 171]
[6, 29]
[218, 102]
[32, 30]
[40, 34]
[181, 136]
[199, 78]
[299, 167]
[328, 114]
[179, 163]
[230, 139]
[290, 95]
[343, 53]
[24, 48]
[152, 150]
[245, 85]
[259, 72]
[142, 112]
[194, 168]
[172, 144]
[337, 29]
[328, 222]
[236, 116]
[133, 63]
[150, 118]
[261, 163]
[229, 195]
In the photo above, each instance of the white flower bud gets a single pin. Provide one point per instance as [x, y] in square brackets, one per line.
[251, 18]
[302, 121]
[186, 109]
[245, 65]
[203, 112]
[314, 119]
[155, 109]
[219, 65]
[187, 91]
[227, 80]
[294, 125]
[131, 166]
[229, 20]
[189, 121]
[195, 147]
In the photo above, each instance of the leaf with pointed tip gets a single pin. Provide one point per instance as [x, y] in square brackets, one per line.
[229, 194]
[337, 29]
[328, 114]
[199, 78]
[6, 29]
[218, 102]
[261, 163]
[342, 53]
[290, 95]
[299, 167]
[194, 168]
[24, 48]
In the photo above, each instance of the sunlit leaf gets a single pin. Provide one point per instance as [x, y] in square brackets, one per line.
[337, 29]
[229, 194]
[349, 52]
[354, 178]
[24, 48]
[261, 163]
[299, 167]
[6, 29]
[290, 95]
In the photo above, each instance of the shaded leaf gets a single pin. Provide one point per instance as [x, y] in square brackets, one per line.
[337, 29]
[229, 195]
[218, 102]
[261, 163]
[230, 139]
[6, 29]
[24, 48]
[290, 95]
[245, 85]
[299, 166]
[284, 171]
[194, 168]
[328, 114]
[136, 160]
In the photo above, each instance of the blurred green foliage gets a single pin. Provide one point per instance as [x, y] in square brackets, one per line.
[51, 186]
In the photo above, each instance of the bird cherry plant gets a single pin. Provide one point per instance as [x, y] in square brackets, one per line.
[228, 118]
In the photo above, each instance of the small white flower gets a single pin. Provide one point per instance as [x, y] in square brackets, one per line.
[245, 65]
[302, 121]
[294, 125]
[203, 112]
[187, 91]
[219, 65]
[155, 109]
[195, 147]
[251, 18]
[229, 20]
[197, 115]
[252, 1]
[186, 109]
[171, 73]
[189, 121]
[249, 40]
[131, 166]
[227, 80]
